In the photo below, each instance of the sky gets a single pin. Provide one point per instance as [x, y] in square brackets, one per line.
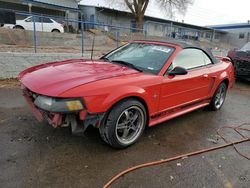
[212, 12]
[201, 12]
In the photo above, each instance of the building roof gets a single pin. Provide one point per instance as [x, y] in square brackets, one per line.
[183, 24]
[69, 4]
[231, 26]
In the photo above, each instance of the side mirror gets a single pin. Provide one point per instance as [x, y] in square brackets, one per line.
[178, 71]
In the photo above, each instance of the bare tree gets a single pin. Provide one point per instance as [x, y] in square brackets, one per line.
[173, 6]
[138, 8]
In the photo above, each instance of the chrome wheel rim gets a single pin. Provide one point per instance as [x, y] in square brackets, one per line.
[129, 125]
[220, 97]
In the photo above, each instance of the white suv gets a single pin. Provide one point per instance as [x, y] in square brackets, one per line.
[42, 24]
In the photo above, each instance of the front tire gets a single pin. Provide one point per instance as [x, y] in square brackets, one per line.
[125, 124]
[218, 97]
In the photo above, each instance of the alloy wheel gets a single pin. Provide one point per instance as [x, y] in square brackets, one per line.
[129, 125]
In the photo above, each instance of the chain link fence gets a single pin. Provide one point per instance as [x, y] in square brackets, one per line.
[43, 33]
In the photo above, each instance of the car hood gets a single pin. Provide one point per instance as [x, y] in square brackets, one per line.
[52, 79]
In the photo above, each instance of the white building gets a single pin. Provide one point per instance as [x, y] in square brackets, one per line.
[156, 23]
[237, 34]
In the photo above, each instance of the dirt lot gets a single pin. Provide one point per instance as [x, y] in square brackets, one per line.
[36, 155]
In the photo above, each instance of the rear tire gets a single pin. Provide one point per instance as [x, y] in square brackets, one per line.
[218, 97]
[124, 124]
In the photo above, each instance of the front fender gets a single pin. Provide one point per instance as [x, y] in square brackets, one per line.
[102, 103]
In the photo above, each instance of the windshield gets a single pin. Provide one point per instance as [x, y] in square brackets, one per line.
[146, 57]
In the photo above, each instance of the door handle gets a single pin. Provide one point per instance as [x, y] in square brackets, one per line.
[205, 75]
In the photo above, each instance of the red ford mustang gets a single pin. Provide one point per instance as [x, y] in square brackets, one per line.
[139, 84]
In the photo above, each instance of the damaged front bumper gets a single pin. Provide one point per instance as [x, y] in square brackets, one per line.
[79, 120]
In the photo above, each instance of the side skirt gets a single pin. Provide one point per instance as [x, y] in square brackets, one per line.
[170, 114]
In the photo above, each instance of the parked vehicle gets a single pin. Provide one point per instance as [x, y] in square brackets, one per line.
[241, 61]
[140, 84]
[44, 24]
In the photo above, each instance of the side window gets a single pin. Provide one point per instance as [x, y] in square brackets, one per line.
[188, 59]
[29, 19]
[207, 60]
[39, 19]
[46, 20]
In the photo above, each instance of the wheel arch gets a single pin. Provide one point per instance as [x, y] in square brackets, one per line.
[19, 26]
[226, 81]
[55, 30]
[222, 78]
[135, 97]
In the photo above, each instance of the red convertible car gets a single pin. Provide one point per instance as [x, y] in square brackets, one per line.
[142, 83]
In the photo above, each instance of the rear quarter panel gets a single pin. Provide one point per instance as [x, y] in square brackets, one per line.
[219, 72]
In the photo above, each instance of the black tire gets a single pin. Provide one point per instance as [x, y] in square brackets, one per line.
[55, 31]
[18, 27]
[218, 98]
[122, 115]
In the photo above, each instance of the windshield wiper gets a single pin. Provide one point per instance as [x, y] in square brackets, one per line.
[127, 64]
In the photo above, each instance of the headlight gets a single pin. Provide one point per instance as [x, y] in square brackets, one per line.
[58, 105]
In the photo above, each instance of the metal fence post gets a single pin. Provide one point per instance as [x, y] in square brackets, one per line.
[117, 38]
[82, 31]
[34, 31]
[145, 29]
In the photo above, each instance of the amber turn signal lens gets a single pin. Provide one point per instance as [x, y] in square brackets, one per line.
[74, 105]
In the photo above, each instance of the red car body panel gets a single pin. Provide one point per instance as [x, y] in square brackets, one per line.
[102, 84]
[54, 78]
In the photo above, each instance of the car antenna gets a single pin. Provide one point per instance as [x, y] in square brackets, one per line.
[93, 43]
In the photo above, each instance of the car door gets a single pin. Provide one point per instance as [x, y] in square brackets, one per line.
[47, 24]
[28, 23]
[180, 90]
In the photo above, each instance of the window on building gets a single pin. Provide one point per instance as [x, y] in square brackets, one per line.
[208, 35]
[155, 26]
[241, 35]
[216, 36]
[159, 27]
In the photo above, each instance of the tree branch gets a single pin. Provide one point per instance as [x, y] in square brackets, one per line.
[145, 6]
[130, 6]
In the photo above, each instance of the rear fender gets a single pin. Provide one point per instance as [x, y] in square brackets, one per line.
[223, 76]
